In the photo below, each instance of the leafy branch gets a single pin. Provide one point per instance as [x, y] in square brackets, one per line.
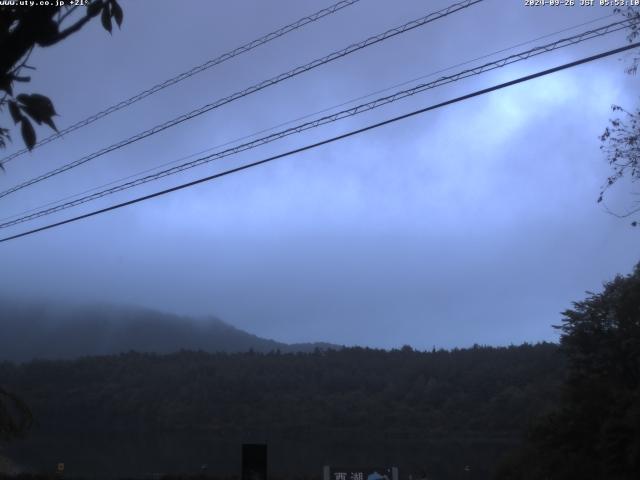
[21, 30]
[621, 139]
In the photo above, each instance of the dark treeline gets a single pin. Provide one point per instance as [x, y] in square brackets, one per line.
[481, 389]
[435, 410]
[523, 412]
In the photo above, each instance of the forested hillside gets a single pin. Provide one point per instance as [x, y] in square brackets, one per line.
[471, 397]
[478, 389]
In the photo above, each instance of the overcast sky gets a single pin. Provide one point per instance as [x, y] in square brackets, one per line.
[474, 223]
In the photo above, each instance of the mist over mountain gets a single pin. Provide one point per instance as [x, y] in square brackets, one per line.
[48, 330]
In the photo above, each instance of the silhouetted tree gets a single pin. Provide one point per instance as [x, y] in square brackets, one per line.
[595, 433]
[601, 337]
[621, 139]
[23, 28]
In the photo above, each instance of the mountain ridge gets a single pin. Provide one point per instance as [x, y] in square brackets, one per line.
[55, 331]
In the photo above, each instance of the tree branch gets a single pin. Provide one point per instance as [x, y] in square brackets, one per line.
[66, 14]
[72, 29]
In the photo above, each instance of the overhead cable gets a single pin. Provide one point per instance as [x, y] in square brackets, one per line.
[304, 117]
[189, 73]
[575, 39]
[327, 141]
[253, 89]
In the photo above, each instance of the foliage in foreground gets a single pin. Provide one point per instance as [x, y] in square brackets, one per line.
[25, 27]
[595, 432]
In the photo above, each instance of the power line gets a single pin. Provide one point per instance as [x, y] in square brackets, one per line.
[330, 140]
[253, 89]
[581, 37]
[616, 26]
[289, 122]
[189, 73]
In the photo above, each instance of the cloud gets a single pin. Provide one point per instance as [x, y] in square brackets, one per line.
[472, 223]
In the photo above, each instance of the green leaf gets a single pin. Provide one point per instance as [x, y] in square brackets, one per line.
[28, 133]
[39, 102]
[106, 18]
[15, 112]
[94, 8]
[49, 122]
[116, 12]
[39, 108]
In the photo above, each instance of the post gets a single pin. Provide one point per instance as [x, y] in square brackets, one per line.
[254, 461]
[326, 472]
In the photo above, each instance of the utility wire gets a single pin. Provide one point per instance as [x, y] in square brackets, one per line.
[255, 88]
[616, 26]
[189, 73]
[329, 140]
[289, 122]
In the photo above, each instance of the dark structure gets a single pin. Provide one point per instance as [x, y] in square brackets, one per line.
[254, 461]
